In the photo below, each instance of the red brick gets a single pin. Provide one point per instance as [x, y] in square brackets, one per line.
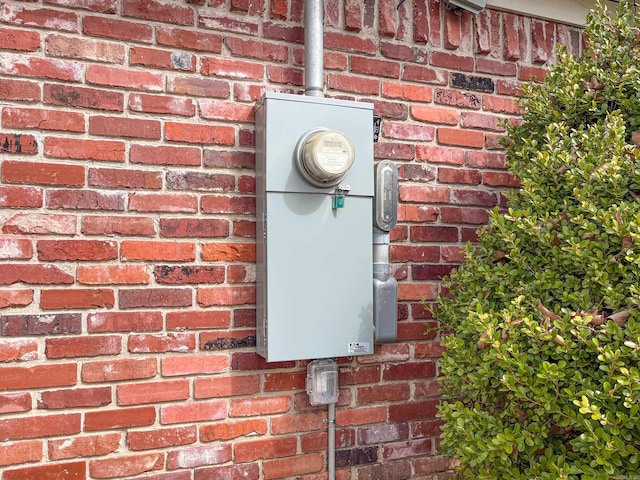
[17, 350]
[84, 49]
[402, 91]
[501, 179]
[203, 320]
[424, 194]
[121, 30]
[205, 411]
[231, 429]
[112, 274]
[116, 370]
[495, 67]
[41, 119]
[156, 343]
[435, 115]
[383, 393]
[259, 406]
[36, 426]
[402, 450]
[226, 111]
[193, 227]
[126, 179]
[124, 127]
[221, 67]
[226, 296]
[437, 154]
[13, 196]
[434, 234]
[200, 134]
[112, 225]
[15, 298]
[417, 291]
[404, 131]
[45, 324]
[162, 105]
[418, 73]
[244, 228]
[15, 453]
[239, 252]
[201, 181]
[304, 422]
[69, 250]
[199, 456]
[460, 137]
[90, 98]
[19, 40]
[132, 394]
[182, 275]
[107, 419]
[293, 466]
[264, 448]
[165, 155]
[60, 471]
[158, 251]
[161, 202]
[226, 386]
[124, 466]
[284, 381]
[413, 411]
[474, 216]
[426, 428]
[247, 471]
[189, 39]
[155, 297]
[71, 347]
[74, 398]
[198, 87]
[501, 105]
[429, 388]
[154, 58]
[86, 446]
[158, 11]
[161, 438]
[55, 69]
[350, 83]
[42, 17]
[17, 143]
[80, 149]
[228, 204]
[107, 322]
[459, 175]
[417, 213]
[85, 200]
[475, 197]
[43, 173]
[76, 299]
[408, 371]
[19, 90]
[361, 415]
[33, 274]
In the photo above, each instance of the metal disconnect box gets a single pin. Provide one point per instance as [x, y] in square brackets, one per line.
[314, 260]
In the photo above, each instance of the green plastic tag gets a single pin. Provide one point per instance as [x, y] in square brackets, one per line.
[338, 201]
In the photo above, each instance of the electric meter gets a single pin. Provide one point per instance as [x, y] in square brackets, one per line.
[325, 156]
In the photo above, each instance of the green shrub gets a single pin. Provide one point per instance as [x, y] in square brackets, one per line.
[541, 378]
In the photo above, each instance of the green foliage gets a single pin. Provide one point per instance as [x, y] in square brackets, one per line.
[542, 377]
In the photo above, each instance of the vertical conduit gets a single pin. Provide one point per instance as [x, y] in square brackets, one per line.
[313, 48]
[314, 87]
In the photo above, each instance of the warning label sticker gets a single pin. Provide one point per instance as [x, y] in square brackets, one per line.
[356, 348]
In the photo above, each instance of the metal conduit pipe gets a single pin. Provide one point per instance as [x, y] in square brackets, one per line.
[314, 87]
[313, 48]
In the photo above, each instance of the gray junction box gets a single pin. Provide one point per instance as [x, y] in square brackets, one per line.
[314, 253]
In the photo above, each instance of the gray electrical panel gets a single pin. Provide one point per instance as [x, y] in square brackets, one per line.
[314, 249]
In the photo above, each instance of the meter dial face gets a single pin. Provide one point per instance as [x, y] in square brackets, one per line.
[325, 157]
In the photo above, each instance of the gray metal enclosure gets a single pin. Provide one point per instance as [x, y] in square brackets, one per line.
[314, 261]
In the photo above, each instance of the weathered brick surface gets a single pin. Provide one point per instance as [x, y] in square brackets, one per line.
[128, 229]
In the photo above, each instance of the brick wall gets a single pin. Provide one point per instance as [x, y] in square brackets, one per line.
[127, 321]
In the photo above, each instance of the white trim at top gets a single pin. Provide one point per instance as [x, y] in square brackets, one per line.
[572, 12]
